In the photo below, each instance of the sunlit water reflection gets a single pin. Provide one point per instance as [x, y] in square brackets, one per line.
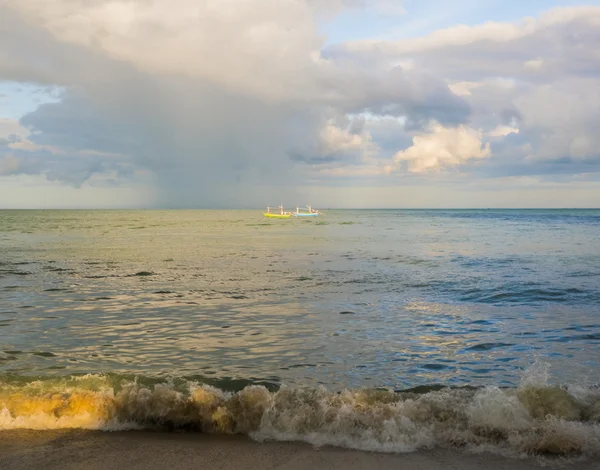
[354, 298]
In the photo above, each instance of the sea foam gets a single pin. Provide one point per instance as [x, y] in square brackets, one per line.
[533, 419]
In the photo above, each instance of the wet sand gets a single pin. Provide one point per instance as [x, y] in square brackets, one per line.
[91, 450]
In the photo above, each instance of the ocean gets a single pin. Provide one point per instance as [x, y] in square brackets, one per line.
[384, 330]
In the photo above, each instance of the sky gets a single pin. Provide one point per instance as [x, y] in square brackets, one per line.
[334, 103]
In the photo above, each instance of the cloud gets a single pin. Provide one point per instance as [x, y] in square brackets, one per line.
[442, 148]
[345, 151]
[9, 165]
[503, 131]
[463, 88]
[264, 47]
[343, 143]
[561, 42]
[214, 99]
[490, 32]
[561, 119]
[221, 103]
[336, 139]
[23, 151]
[538, 78]
[11, 128]
[186, 140]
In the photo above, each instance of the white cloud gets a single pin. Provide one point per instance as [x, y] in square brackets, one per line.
[503, 131]
[353, 152]
[490, 31]
[336, 140]
[532, 85]
[534, 64]
[463, 88]
[441, 148]
[265, 47]
[560, 43]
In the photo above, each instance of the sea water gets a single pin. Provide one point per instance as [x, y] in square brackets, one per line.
[388, 330]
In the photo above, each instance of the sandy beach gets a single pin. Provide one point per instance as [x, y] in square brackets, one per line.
[148, 450]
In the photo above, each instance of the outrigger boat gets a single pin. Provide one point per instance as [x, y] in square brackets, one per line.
[282, 214]
[309, 212]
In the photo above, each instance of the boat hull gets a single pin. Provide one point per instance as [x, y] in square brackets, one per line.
[277, 216]
[300, 214]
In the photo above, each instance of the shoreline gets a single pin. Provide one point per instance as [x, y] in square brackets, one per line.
[149, 450]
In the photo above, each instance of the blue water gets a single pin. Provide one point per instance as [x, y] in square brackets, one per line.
[376, 298]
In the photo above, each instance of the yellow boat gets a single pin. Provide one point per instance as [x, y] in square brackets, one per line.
[274, 215]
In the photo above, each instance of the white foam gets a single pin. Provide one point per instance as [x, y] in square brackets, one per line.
[535, 418]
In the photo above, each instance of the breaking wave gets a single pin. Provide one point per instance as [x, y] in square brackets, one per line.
[532, 419]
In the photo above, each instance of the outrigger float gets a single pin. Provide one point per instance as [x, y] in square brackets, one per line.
[308, 212]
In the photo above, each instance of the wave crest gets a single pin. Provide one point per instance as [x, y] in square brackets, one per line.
[531, 419]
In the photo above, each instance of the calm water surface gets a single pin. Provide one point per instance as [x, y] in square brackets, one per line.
[392, 299]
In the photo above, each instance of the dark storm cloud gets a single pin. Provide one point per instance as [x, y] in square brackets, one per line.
[202, 141]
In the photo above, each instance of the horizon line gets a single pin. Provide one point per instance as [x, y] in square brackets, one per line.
[258, 209]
